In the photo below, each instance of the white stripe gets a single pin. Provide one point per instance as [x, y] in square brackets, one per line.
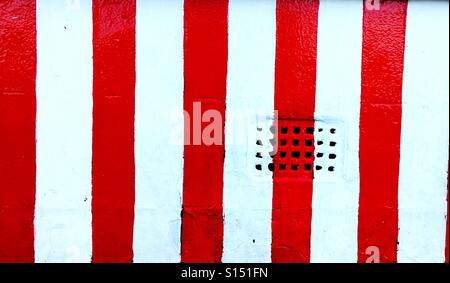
[159, 160]
[336, 195]
[250, 89]
[425, 134]
[64, 132]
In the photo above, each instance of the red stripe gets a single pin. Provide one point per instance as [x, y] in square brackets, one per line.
[380, 125]
[17, 129]
[205, 70]
[113, 130]
[295, 86]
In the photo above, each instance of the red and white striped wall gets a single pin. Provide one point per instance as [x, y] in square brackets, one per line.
[352, 94]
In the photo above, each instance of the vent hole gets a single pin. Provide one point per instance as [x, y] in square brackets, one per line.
[273, 129]
[308, 142]
[318, 167]
[320, 154]
[307, 167]
[332, 156]
[331, 168]
[270, 166]
[282, 154]
[332, 143]
[320, 130]
[283, 142]
[332, 130]
[308, 154]
[294, 167]
[296, 154]
[272, 153]
[296, 130]
[259, 129]
[282, 167]
[319, 142]
[284, 130]
[295, 142]
[258, 155]
[310, 130]
[259, 142]
[258, 167]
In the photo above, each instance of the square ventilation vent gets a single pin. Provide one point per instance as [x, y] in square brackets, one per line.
[262, 147]
[329, 153]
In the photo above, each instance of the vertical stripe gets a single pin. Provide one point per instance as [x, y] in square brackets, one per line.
[17, 129]
[380, 122]
[113, 130]
[446, 234]
[159, 121]
[250, 90]
[205, 68]
[425, 135]
[335, 201]
[295, 83]
[64, 132]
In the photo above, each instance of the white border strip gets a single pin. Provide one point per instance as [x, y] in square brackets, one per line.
[425, 134]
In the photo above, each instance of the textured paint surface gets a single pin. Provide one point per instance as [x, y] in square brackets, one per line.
[17, 134]
[380, 123]
[295, 86]
[250, 89]
[336, 195]
[159, 156]
[113, 130]
[205, 72]
[424, 157]
[63, 132]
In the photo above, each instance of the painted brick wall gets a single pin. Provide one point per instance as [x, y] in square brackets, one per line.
[224, 131]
